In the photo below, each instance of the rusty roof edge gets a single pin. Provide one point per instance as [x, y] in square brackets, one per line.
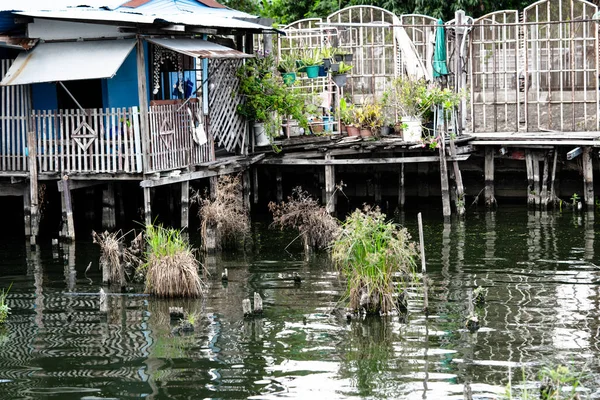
[17, 43]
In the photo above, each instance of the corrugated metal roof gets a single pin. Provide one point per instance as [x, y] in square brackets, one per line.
[210, 18]
[199, 48]
[68, 61]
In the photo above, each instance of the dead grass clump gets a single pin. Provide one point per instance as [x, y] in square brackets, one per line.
[316, 226]
[115, 257]
[225, 214]
[171, 267]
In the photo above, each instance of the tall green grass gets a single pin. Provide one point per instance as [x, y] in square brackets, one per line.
[171, 266]
[376, 257]
[4, 308]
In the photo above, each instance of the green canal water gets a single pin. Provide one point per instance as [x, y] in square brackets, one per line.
[542, 308]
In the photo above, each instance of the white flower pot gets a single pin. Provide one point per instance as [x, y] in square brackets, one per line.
[413, 129]
[260, 135]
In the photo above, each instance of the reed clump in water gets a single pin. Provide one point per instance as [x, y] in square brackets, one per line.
[171, 266]
[4, 308]
[115, 257]
[377, 258]
[224, 217]
[315, 225]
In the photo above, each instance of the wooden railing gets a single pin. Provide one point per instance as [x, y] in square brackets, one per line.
[171, 143]
[90, 141]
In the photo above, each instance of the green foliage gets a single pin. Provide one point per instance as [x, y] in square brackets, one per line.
[559, 383]
[312, 57]
[163, 242]
[407, 98]
[369, 253]
[343, 68]
[369, 116]
[287, 63]
[575, 199]
[346, 112]
[4, 308]
[266, 96]
[191, 318]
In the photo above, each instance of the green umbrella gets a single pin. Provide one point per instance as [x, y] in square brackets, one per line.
[439, 52]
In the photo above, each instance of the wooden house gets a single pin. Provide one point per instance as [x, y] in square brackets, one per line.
[95, 92]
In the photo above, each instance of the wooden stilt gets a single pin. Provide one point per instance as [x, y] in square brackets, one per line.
[537, 188]
[377, 188]
[27, 210]
[213, 182]
[68, 212]
[401, 188]
[90, 209]
[544, 189]
[446, 210]
[119, 197]
[530, 184]
[553, 195]
[460, 190]
[147, 206]
[255, 185]
[329, 185]
[185, 204]
[63, 227]
[490, 196]
[588, 178]
[109, 218]
[279, 183]
[246, 190]
[33, 187]
[423, 179]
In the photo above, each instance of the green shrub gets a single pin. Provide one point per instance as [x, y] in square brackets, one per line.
[4, 308]
[371, 252]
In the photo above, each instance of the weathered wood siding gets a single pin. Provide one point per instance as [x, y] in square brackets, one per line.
[15, 104]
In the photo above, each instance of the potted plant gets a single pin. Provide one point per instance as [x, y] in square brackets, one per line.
[327, 53]
[311, 62]
[340, 77]
[410, 100]
[266, 98]
[343, 55]
[287, 67]
[346, 114]
[370, 119]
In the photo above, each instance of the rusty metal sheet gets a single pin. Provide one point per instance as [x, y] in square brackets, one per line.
[198, 48]
[18, 43]
[68, 61]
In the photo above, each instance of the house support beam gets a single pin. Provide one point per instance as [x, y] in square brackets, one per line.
[279, 186]
[185, 205]
[68, 220]
[255, 185]
[588, 178]
[27, 210]
[530, 180]
[446, 210]
[401, 188]
[147, 206]
[329, 199]
[460, 190]
[109, 218]
[246, 190]
[490, 196]
[33, 188]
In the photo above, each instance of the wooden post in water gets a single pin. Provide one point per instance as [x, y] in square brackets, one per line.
[329, 185]
[147, 206]
[446, 210]
[536, 178]
[544, 189]
[530, 184]
[68, 211]
[490, 196]
[27, 210]
[588, 178]
[143, 100]
[553, 196]
[423, 263]
[279, 184]
[185, 204]
[246, 190]
[401, 188]
[109, 218]
[460, 190]
[255, 185]
[258, 304]
[33, 187]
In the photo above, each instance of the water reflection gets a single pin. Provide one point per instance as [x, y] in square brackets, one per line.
[541, 308]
